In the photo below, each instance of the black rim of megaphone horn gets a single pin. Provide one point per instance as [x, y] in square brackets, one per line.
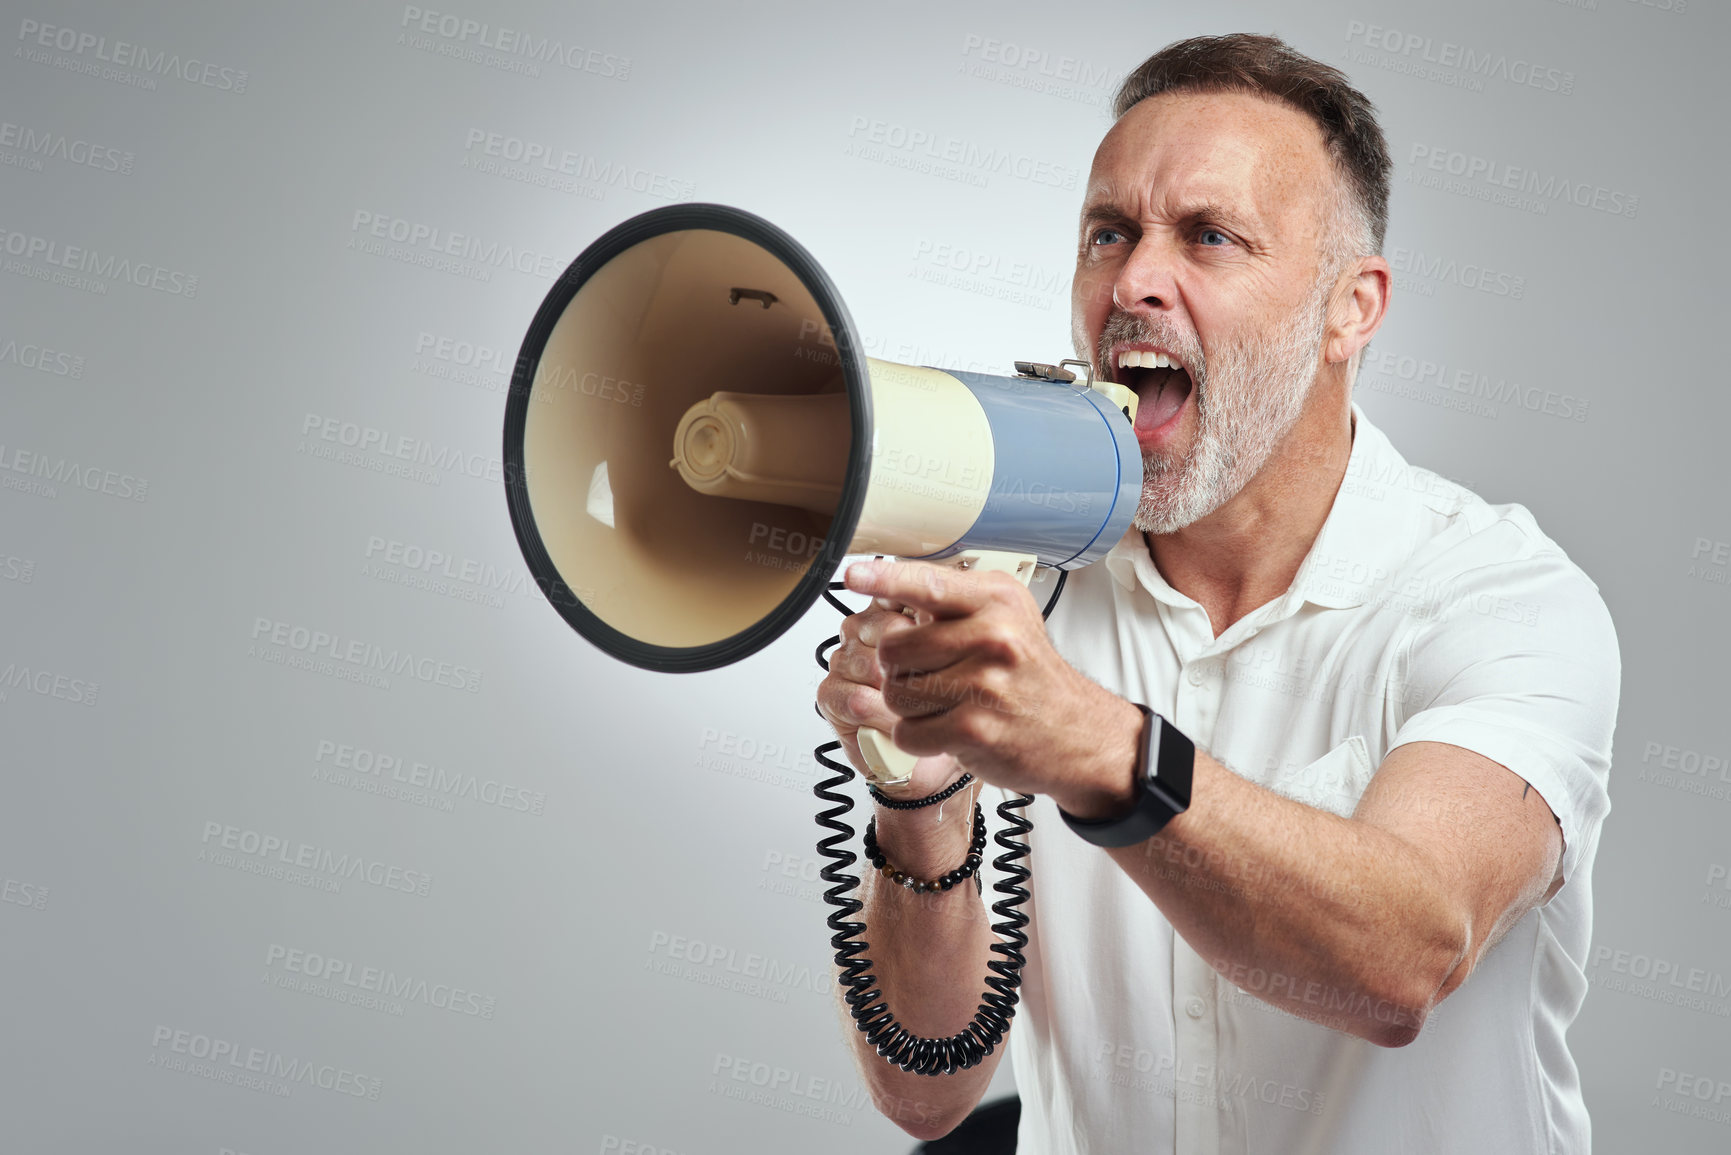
[674, 218]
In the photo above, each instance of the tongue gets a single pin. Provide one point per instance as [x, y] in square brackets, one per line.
[1159, 399]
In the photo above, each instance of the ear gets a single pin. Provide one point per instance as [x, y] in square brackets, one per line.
[1356, 310]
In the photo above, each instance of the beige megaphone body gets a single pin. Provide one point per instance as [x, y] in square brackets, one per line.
[694, 441]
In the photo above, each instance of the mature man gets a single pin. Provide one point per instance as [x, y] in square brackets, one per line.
[1400, 699]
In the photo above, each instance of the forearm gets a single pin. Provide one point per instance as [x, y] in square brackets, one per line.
[1333, 919]
[1330, 918]
[929, 954]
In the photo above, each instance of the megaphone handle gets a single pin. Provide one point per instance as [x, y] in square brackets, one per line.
[888, 764]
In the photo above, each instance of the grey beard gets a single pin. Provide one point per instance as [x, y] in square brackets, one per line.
[1246, 403]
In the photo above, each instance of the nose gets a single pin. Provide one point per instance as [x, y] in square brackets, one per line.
[1145, 280]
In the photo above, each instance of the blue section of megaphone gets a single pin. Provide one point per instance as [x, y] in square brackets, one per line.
[1066, 475]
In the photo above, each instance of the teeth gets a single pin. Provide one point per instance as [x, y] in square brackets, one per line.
[1142, 359]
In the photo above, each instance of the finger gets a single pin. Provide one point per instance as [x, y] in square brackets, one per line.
[873, 613]
[935, 734]
[977, 718]
[922, 737]
[852, 661]
[968, 686]
[876, 625]
[923, 693]
[851, 705]
[906, 703]
[860, 664]
[942, 644]
[942, 591]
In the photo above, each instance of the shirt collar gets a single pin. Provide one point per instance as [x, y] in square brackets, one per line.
[1368, 531]
[1130, 563]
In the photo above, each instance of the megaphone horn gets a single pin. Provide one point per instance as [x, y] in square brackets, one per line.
[694, 439]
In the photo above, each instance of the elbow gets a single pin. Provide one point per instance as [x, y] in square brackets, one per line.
[927, 1133]
[1394, 1019]
[923, 1121]
[934, 1109]
[1404, 999]
[1399, 1031]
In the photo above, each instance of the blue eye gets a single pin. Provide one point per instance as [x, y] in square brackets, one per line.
[1220, 238]
[1100, 234]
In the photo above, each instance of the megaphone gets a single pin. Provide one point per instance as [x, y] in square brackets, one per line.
[695, 439]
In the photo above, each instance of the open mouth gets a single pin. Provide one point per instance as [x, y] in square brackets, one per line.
[1161, 383]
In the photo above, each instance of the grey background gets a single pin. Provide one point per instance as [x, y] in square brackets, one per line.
[675, 811]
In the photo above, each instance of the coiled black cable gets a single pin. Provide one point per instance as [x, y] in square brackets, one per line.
[894, 1042]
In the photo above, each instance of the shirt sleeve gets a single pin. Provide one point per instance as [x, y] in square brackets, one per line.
[1521, 666]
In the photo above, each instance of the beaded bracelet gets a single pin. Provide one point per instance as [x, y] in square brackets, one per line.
[883, 799]
[970, 867]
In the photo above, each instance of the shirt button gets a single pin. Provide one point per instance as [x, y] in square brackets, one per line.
[1196, 675]
[1194, 1007]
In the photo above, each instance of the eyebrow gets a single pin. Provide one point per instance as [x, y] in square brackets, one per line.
[1105, 209]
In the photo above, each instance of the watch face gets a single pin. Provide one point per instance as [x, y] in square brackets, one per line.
[1153, 726]
[1174, 766]
[1166, 759]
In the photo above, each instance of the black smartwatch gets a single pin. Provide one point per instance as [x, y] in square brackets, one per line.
[1164, 764]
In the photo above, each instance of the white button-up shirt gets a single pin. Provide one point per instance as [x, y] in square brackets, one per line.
[1420, 614]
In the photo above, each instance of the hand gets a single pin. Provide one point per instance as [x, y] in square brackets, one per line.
[851, 696]
[974, 675]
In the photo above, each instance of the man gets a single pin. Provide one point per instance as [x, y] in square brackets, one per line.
[1400, 700]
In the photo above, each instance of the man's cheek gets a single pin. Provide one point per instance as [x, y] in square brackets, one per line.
[1090, 305]
[1095, 295]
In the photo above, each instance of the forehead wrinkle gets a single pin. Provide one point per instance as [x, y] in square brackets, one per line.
[1256, 174]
